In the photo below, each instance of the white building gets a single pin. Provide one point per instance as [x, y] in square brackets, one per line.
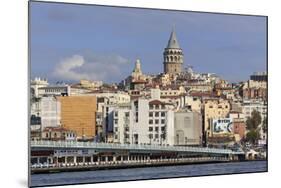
[56, 90]
[187, 128]
[36, 84]
[144, 121]
[50, 112]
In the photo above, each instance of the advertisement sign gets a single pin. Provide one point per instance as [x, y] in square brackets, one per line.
[222, 126]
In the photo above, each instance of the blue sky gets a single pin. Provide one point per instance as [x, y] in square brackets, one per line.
[71, 42]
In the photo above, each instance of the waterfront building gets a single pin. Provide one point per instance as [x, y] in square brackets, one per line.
[50, 112]
[144, 121]
[78, 113]
[187, 128]
[122, 124]
[58, 134]
[173, 56]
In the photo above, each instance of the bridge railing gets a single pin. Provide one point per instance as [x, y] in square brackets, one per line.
[112, 146]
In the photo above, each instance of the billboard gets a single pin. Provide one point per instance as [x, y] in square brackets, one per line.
[222, 126]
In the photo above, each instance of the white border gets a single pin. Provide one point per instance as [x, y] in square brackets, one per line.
[13, 160]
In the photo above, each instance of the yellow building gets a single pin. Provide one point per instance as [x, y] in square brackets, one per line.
[78, 113]
[215, 108]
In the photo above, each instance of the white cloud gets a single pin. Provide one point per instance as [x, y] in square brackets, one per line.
[92, 67]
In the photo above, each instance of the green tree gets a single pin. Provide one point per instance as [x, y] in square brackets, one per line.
[254, 121]
[264, 124]
[252, 124]
[252, 136]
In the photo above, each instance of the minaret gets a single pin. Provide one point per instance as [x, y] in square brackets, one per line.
[137, 73]
[173, 56]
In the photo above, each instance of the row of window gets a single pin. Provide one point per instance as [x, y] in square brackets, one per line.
[169, 93]
[54, 90]
[156, 129]
[218, 106]
[156, 114]
[162, 106]
[126, 129]
[150, 136]
[156, 121]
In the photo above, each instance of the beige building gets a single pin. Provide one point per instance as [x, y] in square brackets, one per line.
[214, 108]
[78, 113]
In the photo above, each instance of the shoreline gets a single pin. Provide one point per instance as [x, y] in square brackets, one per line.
[125, 166]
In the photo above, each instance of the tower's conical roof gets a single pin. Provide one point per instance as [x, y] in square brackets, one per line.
[173, 42]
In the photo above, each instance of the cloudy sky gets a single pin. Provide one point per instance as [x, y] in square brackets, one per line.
[72, 42]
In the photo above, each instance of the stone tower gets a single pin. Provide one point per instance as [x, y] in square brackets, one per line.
[173, 56]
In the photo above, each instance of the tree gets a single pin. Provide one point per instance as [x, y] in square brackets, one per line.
[264, 124]
[254, 121]
[252, 124]
[252, 136]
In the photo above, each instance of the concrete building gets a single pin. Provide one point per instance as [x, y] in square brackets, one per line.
[214, 108]
[56, 90]
[173, 56]
[50, 112]
[256, 87]
[57, 134]
[36, 84]
[122, 120]
[192, 103]
[187, 128]
[78, 113]
[144, 121]
[239, 128]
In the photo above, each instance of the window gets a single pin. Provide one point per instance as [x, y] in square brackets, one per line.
[162, 106]
[47, 135]
[157, 129]
[150, 129]
[156, 114]
[127, 114]
[116, 129]
[150, 136]
[162, 128]
[156, 136]
[150, 121]
[115, 121]
[127, 129]
[162, 114]
[156, 121]
[162, 121]
[150, 106]
[150, 114]
[156, 106]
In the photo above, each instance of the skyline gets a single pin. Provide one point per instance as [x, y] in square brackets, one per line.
[70, 42]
